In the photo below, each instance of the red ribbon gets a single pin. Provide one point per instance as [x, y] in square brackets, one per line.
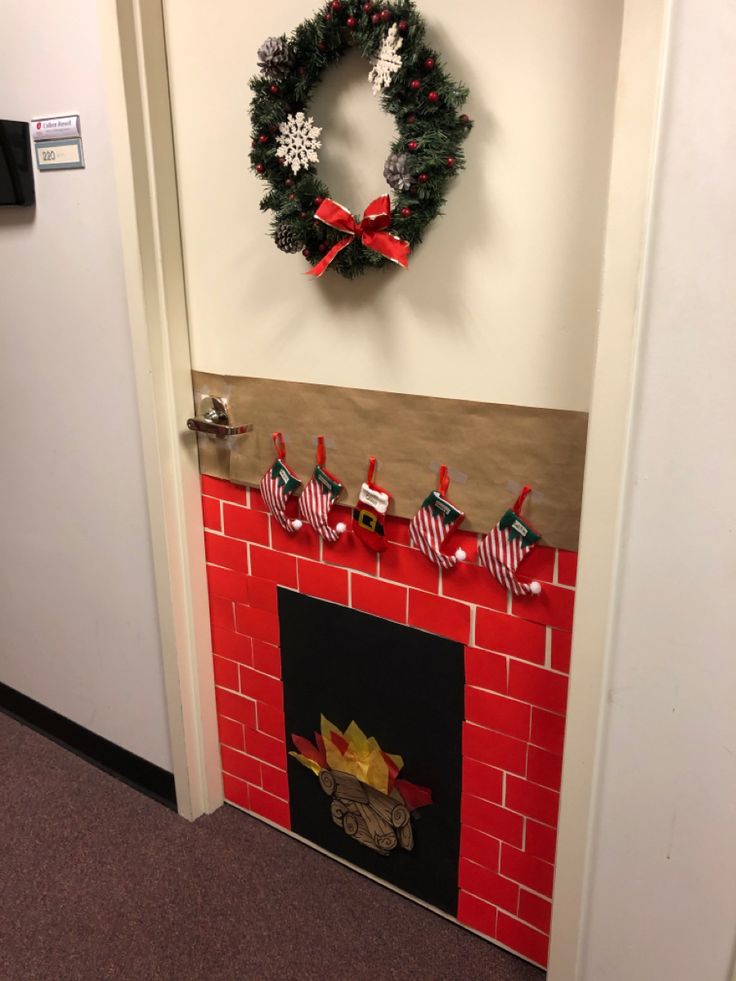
[371, 231]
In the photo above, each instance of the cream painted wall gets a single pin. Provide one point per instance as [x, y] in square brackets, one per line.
[78, 619]
[500, 303]
[662, 898]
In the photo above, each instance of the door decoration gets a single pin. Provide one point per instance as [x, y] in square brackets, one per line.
[507, 545]
[434, 522]
[318, 497]
[278, 484]
[368, 800]
[369, 514]
[408, 76]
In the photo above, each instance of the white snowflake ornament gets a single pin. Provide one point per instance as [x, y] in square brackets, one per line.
[388, 61]
[298, 143]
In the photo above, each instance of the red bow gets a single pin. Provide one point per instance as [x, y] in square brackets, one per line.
[370, 231]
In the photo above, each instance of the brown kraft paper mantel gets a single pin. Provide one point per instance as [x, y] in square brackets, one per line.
[491, 449]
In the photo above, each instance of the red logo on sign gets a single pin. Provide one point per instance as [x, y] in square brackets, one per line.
[38, 126]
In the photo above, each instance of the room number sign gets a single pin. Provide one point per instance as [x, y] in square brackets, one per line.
[59, 154]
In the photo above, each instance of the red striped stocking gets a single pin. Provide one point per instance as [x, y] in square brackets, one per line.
[507, 545]
[433, 522]
[318, 497]
[277, 485]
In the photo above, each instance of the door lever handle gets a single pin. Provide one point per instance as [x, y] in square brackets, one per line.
[215, 420]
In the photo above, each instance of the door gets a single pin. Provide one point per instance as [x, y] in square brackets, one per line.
[455, 330]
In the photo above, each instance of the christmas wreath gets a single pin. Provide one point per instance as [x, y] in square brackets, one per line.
[423, 99]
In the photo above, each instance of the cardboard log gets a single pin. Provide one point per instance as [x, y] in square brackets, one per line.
[395, 813]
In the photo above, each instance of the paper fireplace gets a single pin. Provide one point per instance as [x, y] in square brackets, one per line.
[369, 801]
[374, 689]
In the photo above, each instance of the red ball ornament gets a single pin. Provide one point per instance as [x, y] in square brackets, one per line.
[260, 168]
[433, 97]
[327, 18]
[376, 19]
[274, 90]
[415, 85]
[289, 182]
[263, 139]
[406, 212]
[306, 253]
[465, 119]
[451, 161]
[411, 118]
[412, 146]
[429, 64]
[423, 178]
[352, 22]
[336, 5]
[403, 26]
[292, 197]
[318, 201]
[367, 7]
[323, 246]
[385, 16]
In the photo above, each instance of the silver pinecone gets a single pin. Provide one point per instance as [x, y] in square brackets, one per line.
[275, 57]
[287, 240]
[395, 172]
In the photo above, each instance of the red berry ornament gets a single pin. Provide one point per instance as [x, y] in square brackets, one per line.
[292, 196]
[352, 22]
[306, 253]
[406, 212]
[260, 168]
[289, 182]
[263, 139]
[367, 7]
[376, 19]
[411, 118]
[423, 178]
[403, 26]
[412, 146]
[327, 18]
[336, 5]
[323, 246]
[275, 89]
[415, 85]
[429, 64]
[451, 161]
[433, 97]
[318, 201]
[385, 16]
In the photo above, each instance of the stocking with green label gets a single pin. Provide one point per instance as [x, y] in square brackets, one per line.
[507, 545]
[435, 520]
[318, 497]
[278, 484]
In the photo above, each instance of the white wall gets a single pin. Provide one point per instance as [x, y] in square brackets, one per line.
[662, 900]
[78, 621]
[500, 301]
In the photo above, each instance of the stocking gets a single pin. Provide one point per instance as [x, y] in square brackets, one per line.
[507, 545]
[433, 522]
[277, 485]
[369, 512]
[318, 497]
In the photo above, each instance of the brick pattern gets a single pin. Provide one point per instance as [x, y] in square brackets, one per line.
[517, 659]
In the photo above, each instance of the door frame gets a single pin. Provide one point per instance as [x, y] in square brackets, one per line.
[138, 92]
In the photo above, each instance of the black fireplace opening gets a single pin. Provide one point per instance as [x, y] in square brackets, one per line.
[403, 687]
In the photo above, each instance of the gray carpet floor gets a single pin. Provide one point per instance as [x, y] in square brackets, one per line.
[98, 881]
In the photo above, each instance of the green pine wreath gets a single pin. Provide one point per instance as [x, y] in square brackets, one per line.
[423, 99]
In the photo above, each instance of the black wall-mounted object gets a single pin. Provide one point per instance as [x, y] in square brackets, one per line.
[16, 165]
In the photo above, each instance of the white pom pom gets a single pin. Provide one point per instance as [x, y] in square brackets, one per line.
[340, 527]
[461, 555]
[296, 524]
[535, 588]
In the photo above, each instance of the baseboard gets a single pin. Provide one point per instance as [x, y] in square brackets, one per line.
[147, 777]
